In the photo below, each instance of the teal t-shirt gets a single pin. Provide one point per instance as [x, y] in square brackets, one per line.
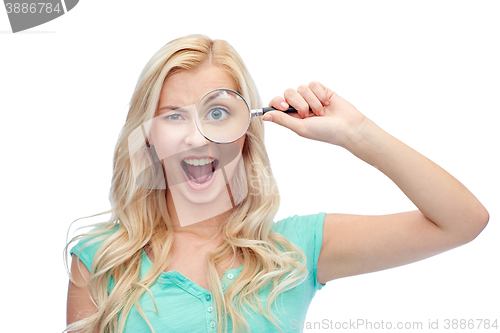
[183, 306]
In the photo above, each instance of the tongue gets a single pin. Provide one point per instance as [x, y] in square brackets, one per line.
[200, 172]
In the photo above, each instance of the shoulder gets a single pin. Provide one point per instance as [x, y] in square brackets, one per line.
[304, 231]
[300, 226]
[90, 242]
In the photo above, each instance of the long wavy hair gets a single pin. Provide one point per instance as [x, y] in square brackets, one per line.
[141, 219]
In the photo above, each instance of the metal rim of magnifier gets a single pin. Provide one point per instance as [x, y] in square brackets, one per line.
[199, 125]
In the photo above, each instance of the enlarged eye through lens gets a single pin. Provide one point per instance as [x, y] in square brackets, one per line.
[218, 113]
[223, 116]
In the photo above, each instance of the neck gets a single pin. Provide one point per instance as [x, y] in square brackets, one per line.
[204, 229]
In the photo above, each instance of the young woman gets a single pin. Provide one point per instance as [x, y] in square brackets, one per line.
[186, 250]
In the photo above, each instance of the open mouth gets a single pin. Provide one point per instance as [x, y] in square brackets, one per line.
[199, 171]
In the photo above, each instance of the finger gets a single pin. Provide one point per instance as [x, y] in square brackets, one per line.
[279, 103]
[322, 93]
[296, 124]
[298, 102]
[311, 99]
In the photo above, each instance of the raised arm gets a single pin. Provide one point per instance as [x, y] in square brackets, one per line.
[448, 214]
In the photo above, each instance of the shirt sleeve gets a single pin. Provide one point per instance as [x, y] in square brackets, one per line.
[87, 247]
[306, 232]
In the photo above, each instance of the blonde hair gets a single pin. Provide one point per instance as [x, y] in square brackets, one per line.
[141, 217]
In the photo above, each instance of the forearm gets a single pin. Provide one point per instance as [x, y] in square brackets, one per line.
[438, 195]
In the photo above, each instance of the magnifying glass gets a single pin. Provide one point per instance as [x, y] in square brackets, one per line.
[223, 115]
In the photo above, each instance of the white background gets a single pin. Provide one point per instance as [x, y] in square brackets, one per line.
[427, 72]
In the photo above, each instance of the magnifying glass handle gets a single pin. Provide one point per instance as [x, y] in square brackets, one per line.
[270, 108]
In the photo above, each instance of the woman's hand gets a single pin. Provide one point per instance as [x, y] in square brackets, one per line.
[333, 119]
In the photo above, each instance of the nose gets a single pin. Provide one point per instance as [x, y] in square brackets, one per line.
[193, 136]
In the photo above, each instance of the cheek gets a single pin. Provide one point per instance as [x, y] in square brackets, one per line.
[241, 141]
[166, 143]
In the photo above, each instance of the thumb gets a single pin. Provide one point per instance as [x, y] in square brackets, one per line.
[285, 120]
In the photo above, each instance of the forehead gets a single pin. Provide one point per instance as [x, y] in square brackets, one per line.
[187, 87]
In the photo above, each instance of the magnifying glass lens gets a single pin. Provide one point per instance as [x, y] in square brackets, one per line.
[223, 116]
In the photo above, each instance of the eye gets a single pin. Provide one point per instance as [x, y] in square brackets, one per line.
[217, 113]
[174, 117]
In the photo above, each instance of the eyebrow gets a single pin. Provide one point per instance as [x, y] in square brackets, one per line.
[169, 107]
[213, 97]
[218, 95]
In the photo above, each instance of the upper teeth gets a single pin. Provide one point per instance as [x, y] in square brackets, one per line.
[199, 162]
